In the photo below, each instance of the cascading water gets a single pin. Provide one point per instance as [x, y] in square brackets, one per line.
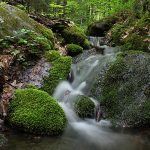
[81, 134]
[84, 74]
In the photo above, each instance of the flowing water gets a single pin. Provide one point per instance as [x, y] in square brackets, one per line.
[81, 134]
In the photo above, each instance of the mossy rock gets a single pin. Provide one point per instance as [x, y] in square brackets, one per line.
[74, 49]
[52, 55]
[13, 19]
[123, 91]
[100, 27]
[135, 41]
[75, 35]
[84, 107]
[34, 111]
[61, 67]
[116, 33]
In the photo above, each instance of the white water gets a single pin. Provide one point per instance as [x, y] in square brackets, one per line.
[85, 72]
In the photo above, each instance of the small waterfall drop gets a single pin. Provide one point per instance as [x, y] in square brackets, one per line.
[82, 76]
[84, 73]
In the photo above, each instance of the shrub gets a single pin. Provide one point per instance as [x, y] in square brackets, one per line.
[25, 44]
[84, 107]
[34, 111]
[60, 69]
[74, 49]
[52, 55]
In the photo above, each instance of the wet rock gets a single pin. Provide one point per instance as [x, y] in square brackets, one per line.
[35, 74]
[99, 28]
[84, 107]
[147, 90]
[125, 90]
[84, 55]
[3, 140]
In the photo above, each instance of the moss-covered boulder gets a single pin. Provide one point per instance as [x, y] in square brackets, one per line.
[84, 107]
[100, 27]
[124, 90]
[34, 111]
[75, 35]
[59, 71]
[74, 49]
[13, 19]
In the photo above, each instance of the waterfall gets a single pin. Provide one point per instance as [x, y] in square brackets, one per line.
[81, 79]
[66, 92]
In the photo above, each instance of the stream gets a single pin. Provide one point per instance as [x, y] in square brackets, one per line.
[82, 134]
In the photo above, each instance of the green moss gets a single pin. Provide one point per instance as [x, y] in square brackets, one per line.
[131, 33]
[143, 21]
[36, 112]
[123, 87]
[74, 49]
[135, 41]
[74, 35]
[52, 55]
[60, 69]
[84, 107]
[111, 83]
[31, 86]
[117, 32]
[86, 44]
[45, 32]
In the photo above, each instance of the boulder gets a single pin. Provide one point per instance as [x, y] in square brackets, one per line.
[84, 107]
[34, 111]
[99, 28]
[13, 19]
[125, 90]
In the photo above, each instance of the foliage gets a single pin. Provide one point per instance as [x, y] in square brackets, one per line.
[59, 71]
[52, 55]
[24, 44]
[74, 49]
[36, 112]
[83, 12]
[84, 107]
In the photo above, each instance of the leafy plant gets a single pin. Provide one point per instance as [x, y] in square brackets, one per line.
[24, 44]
